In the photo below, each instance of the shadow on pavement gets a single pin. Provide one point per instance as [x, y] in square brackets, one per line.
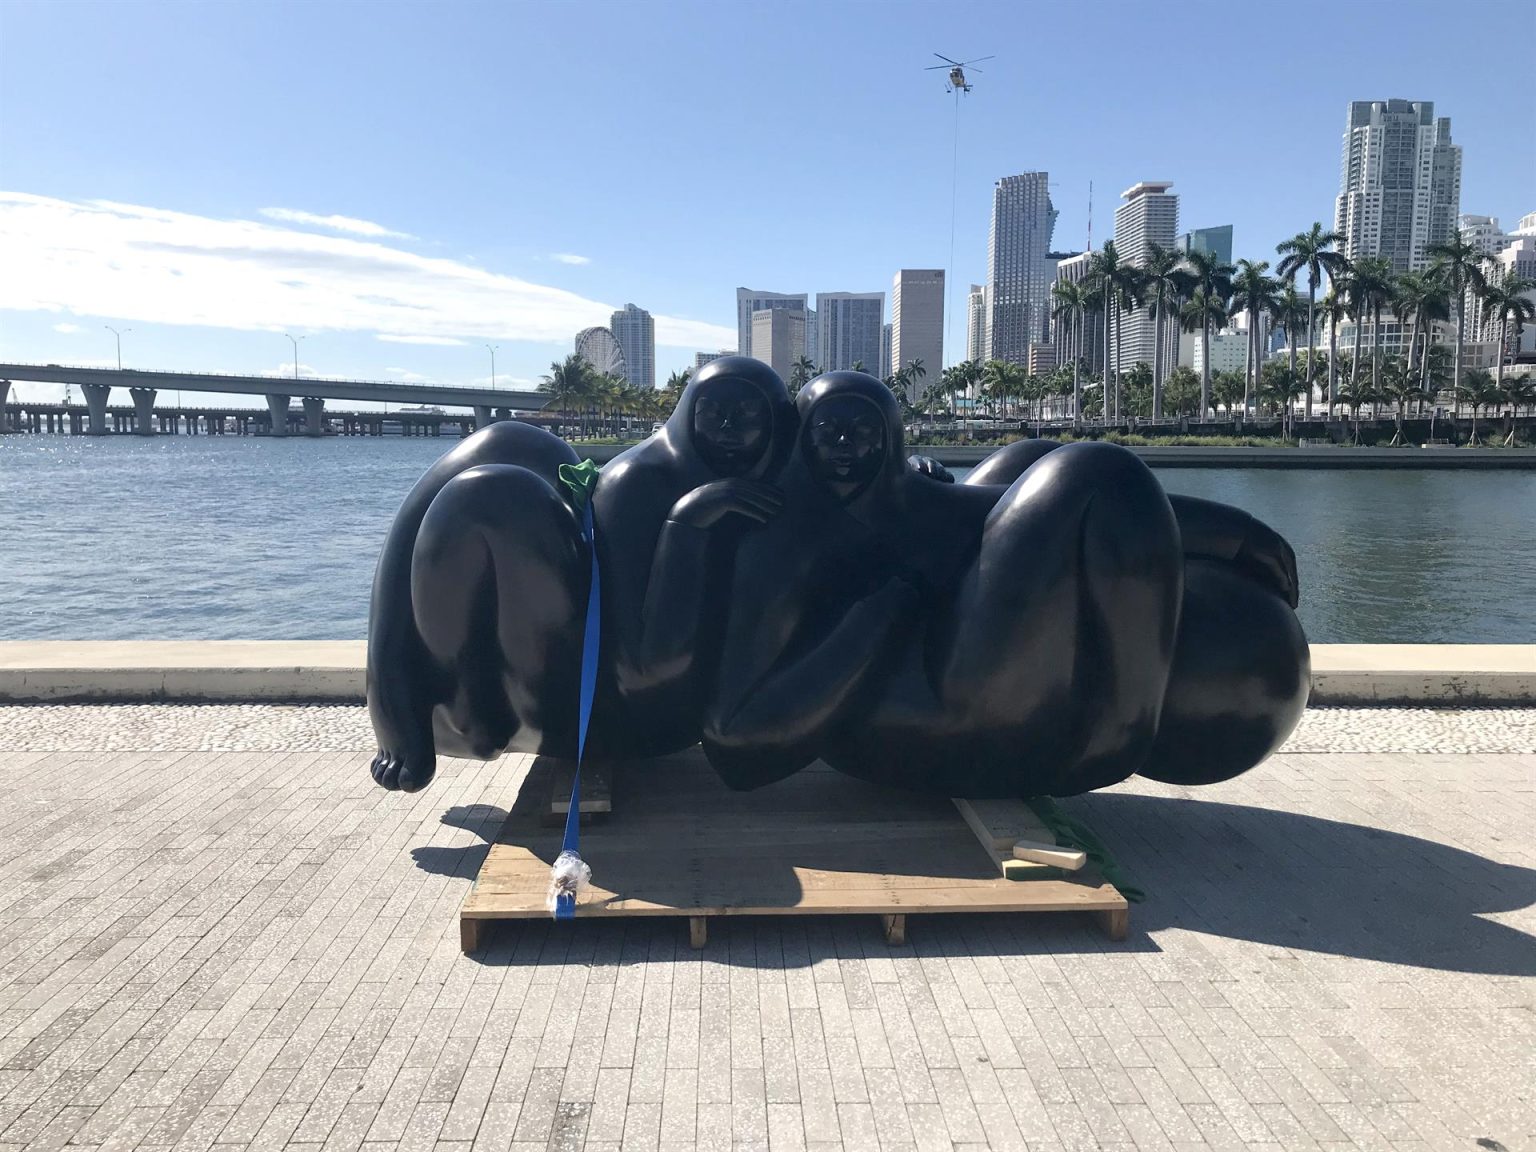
[1317, 885]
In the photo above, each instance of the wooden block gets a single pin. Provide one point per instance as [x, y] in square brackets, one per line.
[1070, 859]
[895, 927]
[698, 931]
[1031, 870]
[1116, 922]
[469, 935]
[596, 789]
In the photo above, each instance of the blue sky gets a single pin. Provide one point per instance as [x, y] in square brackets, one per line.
[447, 175]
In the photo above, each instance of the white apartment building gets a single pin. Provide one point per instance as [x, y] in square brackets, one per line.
[1399, 182]
[635, 331]
[976, 323]
[1149, 215]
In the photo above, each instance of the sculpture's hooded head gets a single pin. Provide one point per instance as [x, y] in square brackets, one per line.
[736, 417]
[850, 433]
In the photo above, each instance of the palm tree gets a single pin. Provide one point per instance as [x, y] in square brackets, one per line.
[1518, 391]
[1228, 389]
[801, 372]
[1335, 308]
[1464, 267]
[1290, 315]
[1509, 302]
[1116, 283]
[1129, 296]
[1167, 283]
[1402, 386]
[1068, 307]
[1001, 379]
[1312, 250]
[1181, 390]
[1424, 297]
[1196, 315]
[1479, 390]
[566, 383]
[677, 381]
[1372, 286]
[1212, 278]
[1253, 292]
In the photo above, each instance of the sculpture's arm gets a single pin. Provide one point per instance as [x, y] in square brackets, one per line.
[797, 700]
[1221, 532]
[659, 634]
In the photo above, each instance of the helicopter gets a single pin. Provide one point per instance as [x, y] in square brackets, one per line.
[957, 81]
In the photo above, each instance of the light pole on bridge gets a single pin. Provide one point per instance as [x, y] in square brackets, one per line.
[119, 336]
[491, 348]
[295, 341]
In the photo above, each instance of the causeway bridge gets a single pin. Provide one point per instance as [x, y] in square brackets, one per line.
[96, 384]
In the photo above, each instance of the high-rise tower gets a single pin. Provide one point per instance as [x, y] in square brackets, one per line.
[1018, 272]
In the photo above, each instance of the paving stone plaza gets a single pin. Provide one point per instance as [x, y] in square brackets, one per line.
[217, 933]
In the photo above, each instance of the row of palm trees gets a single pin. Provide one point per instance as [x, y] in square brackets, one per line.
[601, 404]
[1198, 292]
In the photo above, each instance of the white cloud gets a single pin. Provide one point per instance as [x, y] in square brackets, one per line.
[407, 376]
[98, 258]
[67, 328]
[392, 338]
[570, 258]
[286, 369]
[349, 224]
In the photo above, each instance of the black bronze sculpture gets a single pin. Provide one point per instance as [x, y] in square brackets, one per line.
[478, 600]
[780, 583]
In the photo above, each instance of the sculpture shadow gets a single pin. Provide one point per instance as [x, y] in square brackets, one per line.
[1263, 875]
[1317, 885]
[484, 820]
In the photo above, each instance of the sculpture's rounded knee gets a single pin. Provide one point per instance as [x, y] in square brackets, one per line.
[514, 442]
[1241, 677]
[1010, 462]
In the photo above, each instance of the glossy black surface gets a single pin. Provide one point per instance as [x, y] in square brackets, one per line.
[780, 582]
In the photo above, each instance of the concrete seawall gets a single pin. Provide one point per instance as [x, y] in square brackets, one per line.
[332, 671]
[1368, 459]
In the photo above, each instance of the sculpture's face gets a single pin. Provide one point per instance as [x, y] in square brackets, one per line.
[731, 426]
[845, 439]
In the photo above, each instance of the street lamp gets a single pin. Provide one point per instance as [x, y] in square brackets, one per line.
[295, 340]
[119, 336]
[491, 348]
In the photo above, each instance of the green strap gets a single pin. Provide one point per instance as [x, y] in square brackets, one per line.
[579, 479]
[1073, 833]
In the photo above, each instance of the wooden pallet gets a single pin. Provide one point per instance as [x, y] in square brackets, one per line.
[679, 843]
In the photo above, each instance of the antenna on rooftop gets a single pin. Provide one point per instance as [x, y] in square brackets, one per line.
[1090, 215]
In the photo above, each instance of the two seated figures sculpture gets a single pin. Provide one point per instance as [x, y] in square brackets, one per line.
[781, 585]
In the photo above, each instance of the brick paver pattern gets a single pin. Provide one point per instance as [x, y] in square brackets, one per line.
[259, 950]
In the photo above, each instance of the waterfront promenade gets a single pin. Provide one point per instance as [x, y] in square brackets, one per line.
[217, 933]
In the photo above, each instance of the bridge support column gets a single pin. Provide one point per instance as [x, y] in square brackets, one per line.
[5, 390]
[482, 415]
[314, 416]
[96, 407]
[143, 410]
[277, 404]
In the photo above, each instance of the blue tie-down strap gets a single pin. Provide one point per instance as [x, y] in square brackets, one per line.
[570, 874]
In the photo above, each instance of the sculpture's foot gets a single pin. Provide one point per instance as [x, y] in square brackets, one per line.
[403, 771]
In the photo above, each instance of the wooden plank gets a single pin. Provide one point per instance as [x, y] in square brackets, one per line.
[1002, 823]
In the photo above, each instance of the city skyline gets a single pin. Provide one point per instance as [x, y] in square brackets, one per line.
[106, 224]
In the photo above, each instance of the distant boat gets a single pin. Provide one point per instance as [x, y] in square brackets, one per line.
[421, 410]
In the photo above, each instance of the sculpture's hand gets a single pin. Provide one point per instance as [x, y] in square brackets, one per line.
[928, 466]
[1265, 555]
[706, 506]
